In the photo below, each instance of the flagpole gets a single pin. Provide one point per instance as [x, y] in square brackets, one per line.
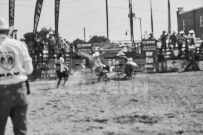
[131, 15]
[107, 21]
[169, 17]
[152, 29]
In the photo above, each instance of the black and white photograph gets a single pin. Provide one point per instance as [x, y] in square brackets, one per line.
[101, 67]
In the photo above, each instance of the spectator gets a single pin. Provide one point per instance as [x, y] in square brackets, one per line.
[173, 40]
[163, 39]
[51, 44]
[38, 47]
[192, 37]
[181, 40]
[151, 36]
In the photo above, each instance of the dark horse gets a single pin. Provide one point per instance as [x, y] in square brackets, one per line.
[61, 73]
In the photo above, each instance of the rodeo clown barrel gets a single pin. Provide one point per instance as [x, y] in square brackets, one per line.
[149, 50]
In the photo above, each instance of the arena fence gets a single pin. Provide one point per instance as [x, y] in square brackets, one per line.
[149, 60]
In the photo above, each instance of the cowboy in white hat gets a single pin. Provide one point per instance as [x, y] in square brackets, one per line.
[181, 39]
[192, 37]
[13, 74]
[98, 65]
[173, 40]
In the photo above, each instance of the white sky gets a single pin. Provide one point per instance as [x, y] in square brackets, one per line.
[76, 14]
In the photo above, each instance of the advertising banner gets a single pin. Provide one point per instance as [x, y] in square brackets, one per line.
[38, 9]
[57, 6]
[86, 48]
[11, 12]
[149, 50]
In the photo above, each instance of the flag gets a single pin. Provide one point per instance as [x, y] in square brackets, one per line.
[11, 12]
[152, 29]
[57, 5]
[38, 9]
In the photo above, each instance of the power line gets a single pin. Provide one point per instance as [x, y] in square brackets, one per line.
[93, 11]
[140, 9]
[47, 5]
[119, 25]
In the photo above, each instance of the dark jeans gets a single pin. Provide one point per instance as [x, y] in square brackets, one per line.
[163, 47]
[13, 104]
[173, 46]
[180, 47]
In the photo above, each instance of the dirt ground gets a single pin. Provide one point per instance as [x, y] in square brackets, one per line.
[150, 104]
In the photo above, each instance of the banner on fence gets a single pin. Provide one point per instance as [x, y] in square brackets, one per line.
[38, 9]
[149, 50]
[11, 12]
[57, 6]
[86, 48]
[48, 73]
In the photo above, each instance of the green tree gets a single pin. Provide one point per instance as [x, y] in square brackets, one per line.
[98, 39]
[29, 37]
[78, 41]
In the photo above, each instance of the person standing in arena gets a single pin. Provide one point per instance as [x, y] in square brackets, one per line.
[181, 40]
[163, 39]
[62, 70]
[15, 65]
[173, 40]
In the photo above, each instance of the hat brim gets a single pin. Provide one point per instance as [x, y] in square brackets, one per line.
[95, 55]
[4, 27]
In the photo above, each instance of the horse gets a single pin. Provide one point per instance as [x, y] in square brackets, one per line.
[63, 75]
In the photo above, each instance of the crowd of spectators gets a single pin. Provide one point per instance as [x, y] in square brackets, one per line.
[180, 42]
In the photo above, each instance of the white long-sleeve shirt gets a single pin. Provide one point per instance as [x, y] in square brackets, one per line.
[59, 63]
[15, 62]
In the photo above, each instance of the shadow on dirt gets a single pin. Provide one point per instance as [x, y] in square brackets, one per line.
[128, 119]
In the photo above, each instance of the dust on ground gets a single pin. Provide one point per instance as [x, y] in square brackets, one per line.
[150, 104]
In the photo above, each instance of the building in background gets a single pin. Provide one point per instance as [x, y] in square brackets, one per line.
[191, 20]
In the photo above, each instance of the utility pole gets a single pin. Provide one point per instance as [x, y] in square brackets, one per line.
[140, 27]
[169, 17]
[152, 25]
[107, 20]
[84, 35]
[131, 15]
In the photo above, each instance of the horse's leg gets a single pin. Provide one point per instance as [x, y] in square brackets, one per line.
[66, 76]
[59, 80]
[58, 83]
[65, 81]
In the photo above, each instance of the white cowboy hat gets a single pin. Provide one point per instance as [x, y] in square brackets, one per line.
[130, 59]
[151, 33]
[96, 54]
[181, 32]
[191, 31]
[120, 53]
[3, 24]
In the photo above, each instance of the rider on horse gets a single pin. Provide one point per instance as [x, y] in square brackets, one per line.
[98, 66]
[62, 70]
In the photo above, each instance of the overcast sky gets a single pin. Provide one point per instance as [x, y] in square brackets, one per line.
[91, 14]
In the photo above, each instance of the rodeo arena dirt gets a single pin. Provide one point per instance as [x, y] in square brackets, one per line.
[149, 104]
[154, 100]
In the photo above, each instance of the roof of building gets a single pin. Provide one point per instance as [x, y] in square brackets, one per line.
[190, 10]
